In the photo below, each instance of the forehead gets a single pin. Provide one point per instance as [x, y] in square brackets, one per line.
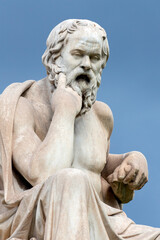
[85, 38]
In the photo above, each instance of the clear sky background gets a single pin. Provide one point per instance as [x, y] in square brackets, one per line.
[130, 82]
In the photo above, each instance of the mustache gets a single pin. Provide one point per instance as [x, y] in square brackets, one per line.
[78, 74]
[81, 81]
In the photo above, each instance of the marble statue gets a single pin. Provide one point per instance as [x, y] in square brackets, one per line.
[58, 180]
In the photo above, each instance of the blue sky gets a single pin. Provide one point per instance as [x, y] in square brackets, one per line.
[130, 82]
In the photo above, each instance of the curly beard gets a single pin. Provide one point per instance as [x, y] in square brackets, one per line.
[88, 94]
[88, 97]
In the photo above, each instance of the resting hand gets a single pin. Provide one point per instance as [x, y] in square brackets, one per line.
[133, 171]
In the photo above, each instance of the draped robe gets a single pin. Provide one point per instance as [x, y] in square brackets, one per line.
[64, 207]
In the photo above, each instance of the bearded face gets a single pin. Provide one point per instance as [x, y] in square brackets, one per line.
[81, 61]
[85, 88]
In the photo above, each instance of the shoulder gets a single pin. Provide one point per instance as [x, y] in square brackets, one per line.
[104, 114]
[24, 105]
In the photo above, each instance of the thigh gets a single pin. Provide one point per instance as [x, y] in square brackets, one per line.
[140, 232]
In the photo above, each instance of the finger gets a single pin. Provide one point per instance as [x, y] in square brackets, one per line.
[134, 183]
[61, 81]
[142, 182]
[123, 171]
[130, 176]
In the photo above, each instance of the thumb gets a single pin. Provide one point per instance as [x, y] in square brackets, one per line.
[62, 81]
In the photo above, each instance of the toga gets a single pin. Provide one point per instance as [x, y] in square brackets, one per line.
[64, 207]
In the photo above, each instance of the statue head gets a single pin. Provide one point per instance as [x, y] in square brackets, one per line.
[79, 49]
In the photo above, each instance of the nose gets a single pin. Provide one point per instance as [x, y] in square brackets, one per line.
[86, 63]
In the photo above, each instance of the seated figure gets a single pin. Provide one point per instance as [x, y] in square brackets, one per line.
[58, 180]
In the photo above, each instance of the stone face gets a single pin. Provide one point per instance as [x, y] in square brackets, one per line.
[58, 179]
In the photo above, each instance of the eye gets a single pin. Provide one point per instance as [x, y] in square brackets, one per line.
[95, 57]
[76, 53]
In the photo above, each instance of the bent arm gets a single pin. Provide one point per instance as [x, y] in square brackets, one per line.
[124, 172]
[35, 159]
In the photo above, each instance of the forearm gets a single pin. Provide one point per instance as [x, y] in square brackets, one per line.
[56, 151]
[35, 159]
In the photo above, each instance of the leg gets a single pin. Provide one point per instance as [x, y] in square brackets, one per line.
[68, 213]
[140, 232]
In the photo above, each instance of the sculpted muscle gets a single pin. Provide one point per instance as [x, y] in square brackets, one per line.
[105, 115]
[25, 141]
[60, 145]
[37, 155]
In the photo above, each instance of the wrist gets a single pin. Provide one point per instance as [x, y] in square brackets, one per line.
[64, 112]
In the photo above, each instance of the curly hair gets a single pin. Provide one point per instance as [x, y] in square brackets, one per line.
[57, 40]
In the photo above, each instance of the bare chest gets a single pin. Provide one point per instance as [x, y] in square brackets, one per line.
[90, 139]
[90, 143]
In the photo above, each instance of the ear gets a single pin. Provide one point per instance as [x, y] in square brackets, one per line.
[104, 61]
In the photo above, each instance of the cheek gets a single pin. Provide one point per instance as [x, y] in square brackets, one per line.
[97, 67]
[100, 66]
[71, 63]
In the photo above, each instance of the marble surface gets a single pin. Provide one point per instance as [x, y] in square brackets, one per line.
[58, 179]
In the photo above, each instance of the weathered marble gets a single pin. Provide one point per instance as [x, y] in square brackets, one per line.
[58, 179]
